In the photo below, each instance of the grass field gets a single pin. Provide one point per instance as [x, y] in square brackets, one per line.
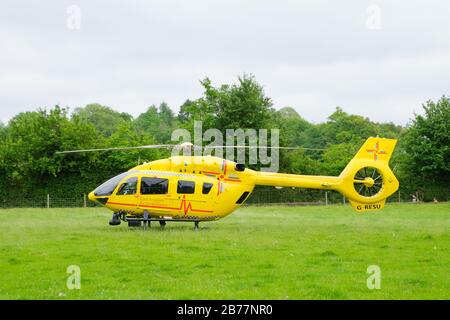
[256, 253]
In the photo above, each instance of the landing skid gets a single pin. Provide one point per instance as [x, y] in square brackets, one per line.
[146, 220]
[146, 223]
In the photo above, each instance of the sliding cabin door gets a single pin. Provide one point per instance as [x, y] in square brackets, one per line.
[155, 196]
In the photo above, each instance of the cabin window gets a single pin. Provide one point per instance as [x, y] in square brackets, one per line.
[207, 187]
[154, 186]
[128, 187]
[185, 187]
[107, 188]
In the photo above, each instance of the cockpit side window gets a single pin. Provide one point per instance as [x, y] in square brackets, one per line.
[107, 188]
[128, 187]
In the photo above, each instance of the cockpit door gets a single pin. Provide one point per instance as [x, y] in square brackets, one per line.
[127, 195]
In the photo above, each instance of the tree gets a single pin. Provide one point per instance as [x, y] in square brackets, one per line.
[126, 136]
[336, 157]
[2, 131]
[29, 165]
[157, 122]
[187, 111]
[27, 156]
[198, 110]
[426, 145]
[166, 114]
[294, 129]
[300, 162]
[3, 134]
[104, 119]
[343, 128]
[242, 105]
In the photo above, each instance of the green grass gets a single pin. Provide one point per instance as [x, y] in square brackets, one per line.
[256, 253]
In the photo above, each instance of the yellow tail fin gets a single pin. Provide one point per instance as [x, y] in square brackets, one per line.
[367, 181]
[377, 149]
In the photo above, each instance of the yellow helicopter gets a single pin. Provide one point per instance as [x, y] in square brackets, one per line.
[208, 188]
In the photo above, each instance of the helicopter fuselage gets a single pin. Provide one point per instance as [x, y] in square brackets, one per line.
[206, 188]
[183, 187]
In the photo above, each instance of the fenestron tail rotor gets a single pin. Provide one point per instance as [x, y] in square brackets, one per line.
[368, 182]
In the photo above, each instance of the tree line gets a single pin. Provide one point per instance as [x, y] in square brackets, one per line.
[30, 168]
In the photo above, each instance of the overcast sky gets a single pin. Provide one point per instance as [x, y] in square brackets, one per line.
[380, 59]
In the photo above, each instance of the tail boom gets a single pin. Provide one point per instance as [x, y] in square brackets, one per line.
[367, 181]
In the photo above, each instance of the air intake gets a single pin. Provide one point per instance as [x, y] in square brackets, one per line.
[242, 197]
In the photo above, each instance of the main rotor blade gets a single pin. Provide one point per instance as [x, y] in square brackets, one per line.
[169, 146]
[156, 146]
[264, 147]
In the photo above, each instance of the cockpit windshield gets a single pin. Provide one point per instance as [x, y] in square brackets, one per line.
[107, 188]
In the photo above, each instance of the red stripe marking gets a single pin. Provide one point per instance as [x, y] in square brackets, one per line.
[210, 172]
[159, 207]
[122, 204]
[182, 205]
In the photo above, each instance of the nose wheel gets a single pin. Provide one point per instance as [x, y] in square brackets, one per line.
[115, 220]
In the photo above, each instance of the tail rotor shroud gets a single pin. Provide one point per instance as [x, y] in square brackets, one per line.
[368, 182]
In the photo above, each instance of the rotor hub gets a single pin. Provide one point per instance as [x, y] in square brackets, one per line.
[368, 182]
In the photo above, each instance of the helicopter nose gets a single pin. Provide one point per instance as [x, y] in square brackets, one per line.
[91, 196]
[100, 199]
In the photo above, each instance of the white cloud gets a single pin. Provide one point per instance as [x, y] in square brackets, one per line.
[312, 55]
